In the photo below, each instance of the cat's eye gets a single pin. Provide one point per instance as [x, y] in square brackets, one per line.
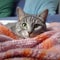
[24, 24]
[36, 25]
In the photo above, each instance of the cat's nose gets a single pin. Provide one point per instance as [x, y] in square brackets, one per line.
[30, 33]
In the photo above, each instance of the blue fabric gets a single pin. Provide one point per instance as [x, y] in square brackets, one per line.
[37, 6]
[21, 3]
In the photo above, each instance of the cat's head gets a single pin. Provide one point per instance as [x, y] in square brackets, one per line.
[28, 24]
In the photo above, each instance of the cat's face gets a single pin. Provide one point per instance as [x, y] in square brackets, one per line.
[28, 24]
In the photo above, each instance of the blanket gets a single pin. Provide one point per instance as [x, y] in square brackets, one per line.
[45, 46]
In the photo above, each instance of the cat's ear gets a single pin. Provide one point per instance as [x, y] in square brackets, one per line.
[20, 13]
[44, 15]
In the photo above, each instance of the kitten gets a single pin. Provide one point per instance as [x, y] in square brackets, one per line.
[28, 24]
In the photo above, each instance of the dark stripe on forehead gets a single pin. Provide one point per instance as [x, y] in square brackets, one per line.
[33, 19]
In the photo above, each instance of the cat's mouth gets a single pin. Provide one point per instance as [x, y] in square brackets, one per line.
[27, 34]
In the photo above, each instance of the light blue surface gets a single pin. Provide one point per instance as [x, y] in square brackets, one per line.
[37, 6]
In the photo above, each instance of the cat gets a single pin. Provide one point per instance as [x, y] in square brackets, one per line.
[28, 24]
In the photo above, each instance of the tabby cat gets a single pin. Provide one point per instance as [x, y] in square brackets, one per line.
[28, 24]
